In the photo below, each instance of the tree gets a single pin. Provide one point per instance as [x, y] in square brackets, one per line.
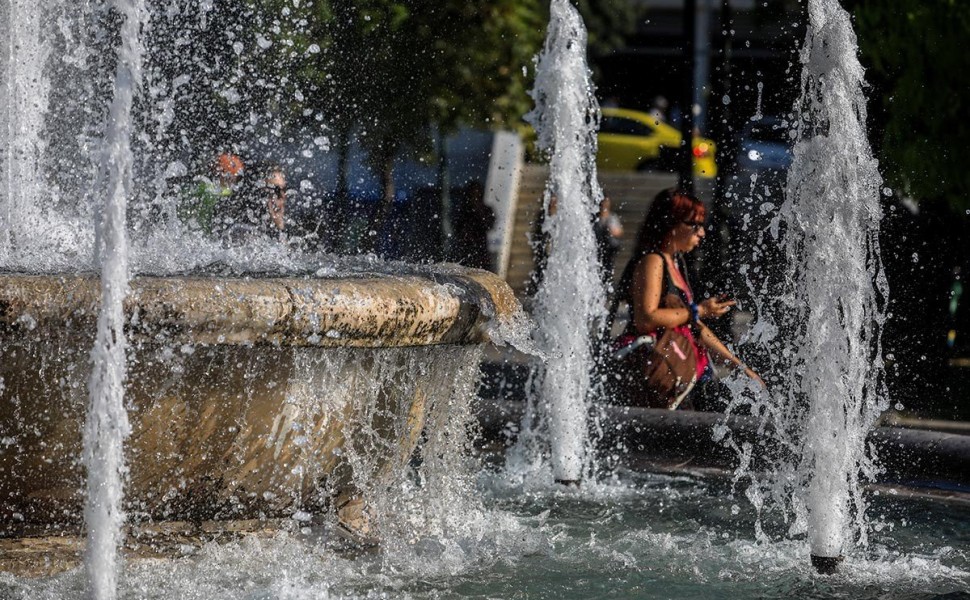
[914, 50]
[399, 70]
[610, 23]
[916, 66]
[391, 73]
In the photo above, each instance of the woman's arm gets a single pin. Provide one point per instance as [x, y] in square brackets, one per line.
[648, 285]
[715, 345]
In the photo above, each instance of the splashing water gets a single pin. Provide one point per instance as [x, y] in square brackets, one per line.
[56, 75]
[106, 426]
[832, 391]
[23, 87]
[571, 297]
[833, 192]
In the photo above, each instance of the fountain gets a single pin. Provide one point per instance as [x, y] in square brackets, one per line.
[823, 325]
[570, 299]
[834, 186]
[289, 385]
[106, 424]
[283, 402]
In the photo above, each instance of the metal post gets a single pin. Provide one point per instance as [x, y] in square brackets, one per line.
[702, 63]
[687, 98]
[721, 125]
[718, 241]
[444, 190]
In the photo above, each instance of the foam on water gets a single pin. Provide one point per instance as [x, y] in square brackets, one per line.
[570, 299]
[641, 536]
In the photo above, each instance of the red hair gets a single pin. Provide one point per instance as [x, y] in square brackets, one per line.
[669, 208]
[229, 164]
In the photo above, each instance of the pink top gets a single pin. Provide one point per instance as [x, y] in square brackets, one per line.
[699, 352]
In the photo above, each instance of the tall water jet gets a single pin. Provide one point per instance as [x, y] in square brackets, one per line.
[106, 426]
[838, 289]
[570, 298]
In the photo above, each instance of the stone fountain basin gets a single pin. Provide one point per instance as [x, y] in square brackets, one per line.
[244, 395]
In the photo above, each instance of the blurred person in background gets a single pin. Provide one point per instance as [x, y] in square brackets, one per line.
[198, 209]
[258, 210]
[472, 219]
[541, 242]
[656, 287]
[608, 231]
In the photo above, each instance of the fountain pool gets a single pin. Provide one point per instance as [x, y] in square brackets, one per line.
[638, 536]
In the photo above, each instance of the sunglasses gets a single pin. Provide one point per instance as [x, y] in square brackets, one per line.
[695, 225]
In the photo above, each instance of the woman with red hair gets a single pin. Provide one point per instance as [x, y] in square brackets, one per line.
[655, 286]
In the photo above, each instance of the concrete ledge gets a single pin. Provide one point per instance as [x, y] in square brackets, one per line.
[358, 311]
[915, 458]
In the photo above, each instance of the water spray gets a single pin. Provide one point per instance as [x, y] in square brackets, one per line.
[107, 426]
[832, 213]
[571, 298]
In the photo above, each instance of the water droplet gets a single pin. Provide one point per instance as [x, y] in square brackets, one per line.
[725, 99]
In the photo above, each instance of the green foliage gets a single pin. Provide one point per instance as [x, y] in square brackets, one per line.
[393, 71]
[388, 72]
[609, 23]
[918, 64]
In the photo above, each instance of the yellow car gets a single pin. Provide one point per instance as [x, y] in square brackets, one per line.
[631, 140]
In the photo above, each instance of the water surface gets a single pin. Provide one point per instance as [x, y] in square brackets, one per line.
[640, 536]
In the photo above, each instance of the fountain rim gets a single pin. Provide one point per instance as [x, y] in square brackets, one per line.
[459, 306]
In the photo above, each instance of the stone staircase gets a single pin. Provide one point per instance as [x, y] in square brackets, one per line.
[631, 193]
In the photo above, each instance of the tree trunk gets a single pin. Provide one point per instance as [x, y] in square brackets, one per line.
[336, 231]
[379, 225]
[444, 188]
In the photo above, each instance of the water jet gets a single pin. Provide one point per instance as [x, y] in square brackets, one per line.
[570, 300]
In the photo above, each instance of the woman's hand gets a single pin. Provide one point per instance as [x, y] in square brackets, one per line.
[750, 373]
[714, 308]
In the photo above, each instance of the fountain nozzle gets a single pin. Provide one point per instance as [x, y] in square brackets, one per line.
[826, 565]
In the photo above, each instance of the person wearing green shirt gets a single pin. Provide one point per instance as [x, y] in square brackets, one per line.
[199, 208]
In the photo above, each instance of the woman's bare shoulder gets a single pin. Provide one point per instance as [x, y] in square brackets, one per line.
[651, 262]
[650, 268]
